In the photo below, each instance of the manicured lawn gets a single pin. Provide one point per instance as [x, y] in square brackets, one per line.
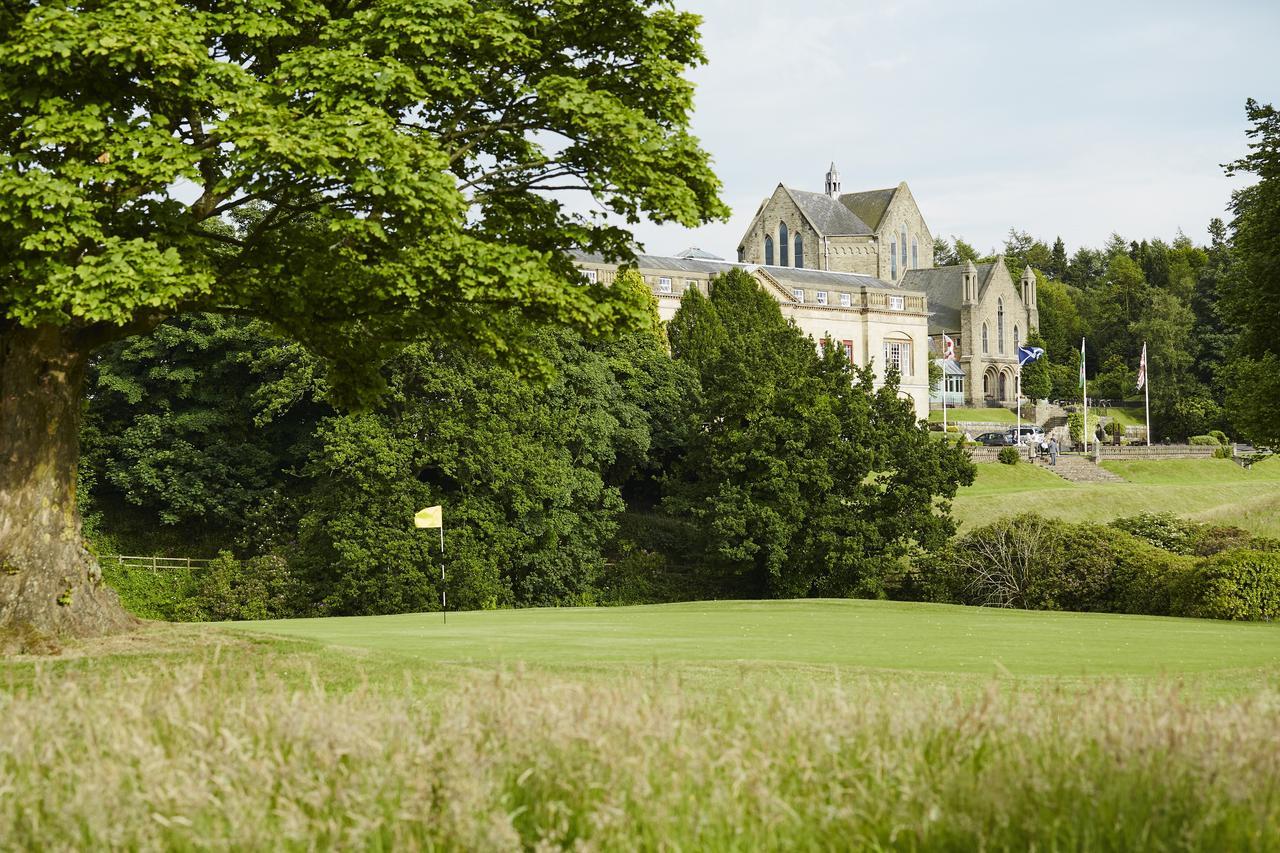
[1213, 490]
[847, 634]
[1126, 416]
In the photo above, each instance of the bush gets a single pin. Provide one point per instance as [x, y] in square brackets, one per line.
[1075, 427]
[231, 590]
[1161, 529]
[1241, 585]
[1220, 436]
[1009, 455]
[1203, 441]
[1040, 564]
[1222, 453]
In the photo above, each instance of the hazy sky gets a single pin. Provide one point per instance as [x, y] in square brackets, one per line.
[1074, 119]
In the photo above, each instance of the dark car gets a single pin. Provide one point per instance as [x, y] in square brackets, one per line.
[993, 439]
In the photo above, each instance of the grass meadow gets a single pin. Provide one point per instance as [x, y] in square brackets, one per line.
[810, 725]
[797, 725]
[1210, 490]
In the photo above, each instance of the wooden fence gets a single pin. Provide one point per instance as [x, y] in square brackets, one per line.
[156, 564]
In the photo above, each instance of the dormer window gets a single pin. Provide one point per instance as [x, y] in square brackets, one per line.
[897, 303]
[846, 300]
[664, 284]
[822, 297]
[798, 294]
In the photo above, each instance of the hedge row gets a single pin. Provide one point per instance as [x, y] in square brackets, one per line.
[1155, 565]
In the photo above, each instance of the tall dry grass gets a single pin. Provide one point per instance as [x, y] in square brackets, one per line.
[191, 756]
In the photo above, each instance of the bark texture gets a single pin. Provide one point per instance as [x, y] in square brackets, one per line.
[50, 585]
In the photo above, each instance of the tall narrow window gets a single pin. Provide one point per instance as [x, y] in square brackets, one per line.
[1000, 325]
[893, 259]
[1017, 342]
[904, 247]
[799, 250]
[915, 254]
[986, 348]
[768, 250]
[783, 248]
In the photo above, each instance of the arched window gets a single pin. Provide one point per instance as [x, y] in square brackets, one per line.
[1000, 325]
[915, 254]
[904, 247]
[768, 250]
[782, 245]
[985, 346]
[799, 250]
[1017, 341]
[893, 259]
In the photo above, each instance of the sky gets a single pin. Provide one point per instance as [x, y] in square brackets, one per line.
[1075, 119]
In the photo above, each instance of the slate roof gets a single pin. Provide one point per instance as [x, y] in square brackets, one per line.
[869, 206]
[828, 215]
[801, 277]
[944, 287]
[699, 254]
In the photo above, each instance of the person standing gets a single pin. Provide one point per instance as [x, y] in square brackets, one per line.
[1053, 450]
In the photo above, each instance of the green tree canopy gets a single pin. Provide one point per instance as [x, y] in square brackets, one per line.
[358, 175]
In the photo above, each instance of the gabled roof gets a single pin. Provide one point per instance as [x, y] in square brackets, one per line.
[698, 254]
[828, 216]
[945, 288]
[869, 206]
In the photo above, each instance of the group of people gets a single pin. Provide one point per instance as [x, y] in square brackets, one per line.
[1048, 447]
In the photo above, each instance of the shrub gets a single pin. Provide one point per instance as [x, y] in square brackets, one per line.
[1113, 428]
[1241, 585]
[1036, 563]
[1008, 455]
[231, 590]
[1203, 441]
[952, 428]
[1220, 436]
[1075, 427]
[1161, 529]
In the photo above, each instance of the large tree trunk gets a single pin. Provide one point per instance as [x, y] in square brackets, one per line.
[50, 585]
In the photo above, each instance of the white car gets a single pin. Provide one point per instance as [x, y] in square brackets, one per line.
[1027, 436]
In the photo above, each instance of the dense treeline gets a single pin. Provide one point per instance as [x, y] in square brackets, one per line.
[1207, 314]
[736, 462]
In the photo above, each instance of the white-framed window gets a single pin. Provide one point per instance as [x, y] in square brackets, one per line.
[846, 299]
[590, 275]
[798, 293]
[898, 354]
[848, 350]
[690, 284]
[897, 303]
[664, 284]
[822, 297]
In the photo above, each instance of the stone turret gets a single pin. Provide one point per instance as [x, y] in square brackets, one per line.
[1029, 297]
[970, 278]
[833, 181]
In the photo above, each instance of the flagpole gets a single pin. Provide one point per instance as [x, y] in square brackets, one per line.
[1018, 434]
[1146, 389]
[444, 601]
[1084, 390]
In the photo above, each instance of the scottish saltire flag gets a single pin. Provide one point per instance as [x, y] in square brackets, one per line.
[948, 347]
[1026, 354]
[1142, 367]
[1082, 363]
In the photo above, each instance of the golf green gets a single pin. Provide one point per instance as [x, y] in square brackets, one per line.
[848, 633]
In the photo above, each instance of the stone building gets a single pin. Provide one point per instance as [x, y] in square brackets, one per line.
[879, 233]
[882, 234]
[987, 315]
[876, 322]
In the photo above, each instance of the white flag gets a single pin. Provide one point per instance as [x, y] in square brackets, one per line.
[1142, 367]
[948, 347]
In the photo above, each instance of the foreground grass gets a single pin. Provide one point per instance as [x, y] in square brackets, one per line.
[1215, 490]
[215, 740]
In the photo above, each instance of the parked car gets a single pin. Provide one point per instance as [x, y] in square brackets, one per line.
[993, 439]
[1025, 435]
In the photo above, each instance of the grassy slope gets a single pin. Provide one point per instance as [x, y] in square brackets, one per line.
[847, 634]
[1214, 490]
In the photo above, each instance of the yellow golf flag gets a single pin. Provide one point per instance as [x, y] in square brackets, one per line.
[432, 516]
